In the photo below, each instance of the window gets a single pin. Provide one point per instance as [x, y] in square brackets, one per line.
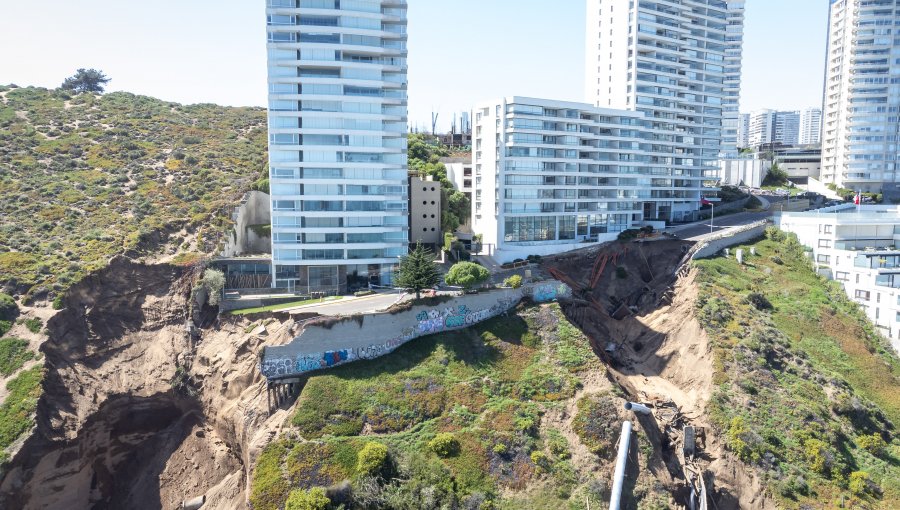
[823, 259]
[842, 276]
[824, 243]
[862, 294]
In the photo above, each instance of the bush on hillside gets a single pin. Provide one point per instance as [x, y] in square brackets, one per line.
[9, 310]
[514, 281]
[444, 445]
[372, 459]
[312, 499]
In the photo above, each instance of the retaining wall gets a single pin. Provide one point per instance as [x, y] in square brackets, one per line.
[373, 335]
[713, 246]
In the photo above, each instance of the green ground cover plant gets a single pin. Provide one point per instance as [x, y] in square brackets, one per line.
[84, 177]
[459, 413]
[807, 391]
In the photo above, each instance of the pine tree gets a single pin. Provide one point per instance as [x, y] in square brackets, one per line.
[417, 271]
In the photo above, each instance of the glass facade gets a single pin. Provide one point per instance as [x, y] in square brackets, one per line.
[337, 141]
[861, 114]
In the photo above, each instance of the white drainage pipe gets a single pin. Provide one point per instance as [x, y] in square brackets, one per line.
[193, 504]
[638, 408]
[621, 461]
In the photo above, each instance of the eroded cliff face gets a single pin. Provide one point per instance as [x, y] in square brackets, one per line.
[134, 413]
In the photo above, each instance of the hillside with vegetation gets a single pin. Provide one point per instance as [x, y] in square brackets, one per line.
[478, 418]
[806, 391]
[86, 176]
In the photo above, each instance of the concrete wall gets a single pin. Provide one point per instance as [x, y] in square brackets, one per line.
[378, 334]
[254, 210]
[711, 247]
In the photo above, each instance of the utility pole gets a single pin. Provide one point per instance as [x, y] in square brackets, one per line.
[712, 218]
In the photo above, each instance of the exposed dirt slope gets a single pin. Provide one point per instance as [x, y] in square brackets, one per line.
[636, 302]
[111, 430]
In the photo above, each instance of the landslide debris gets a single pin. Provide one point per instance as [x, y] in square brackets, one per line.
[134, 412]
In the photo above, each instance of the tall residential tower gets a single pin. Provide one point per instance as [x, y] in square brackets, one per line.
[337, 142]
[861, 113]
[678, 61]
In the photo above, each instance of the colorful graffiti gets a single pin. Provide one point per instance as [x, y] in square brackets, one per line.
[545, 292]
[276, 365]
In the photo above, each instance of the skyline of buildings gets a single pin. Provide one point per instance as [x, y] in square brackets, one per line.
[861, 113]
[337, 76]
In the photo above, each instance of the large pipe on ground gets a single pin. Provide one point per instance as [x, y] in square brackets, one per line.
[638, 408]
[193, 504]
[621, 461]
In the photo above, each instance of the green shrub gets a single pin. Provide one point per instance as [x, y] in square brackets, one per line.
[752, 203]
[214, 282]
[14, 354]
[16, 410]
[759, 301]
[312, 499]
[775, 234]
[514, 281]
[541, 460]
[500, 448]
[467, 275]
[58, 303]
[873, 444]
[9, 310]
[860, 483]
[372, 459]
[34, 325]
[818, 456]
[363, 293]
[5, 326]
[444, 445]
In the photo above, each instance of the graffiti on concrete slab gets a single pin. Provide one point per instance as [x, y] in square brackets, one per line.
[434, 320]
[545, 292]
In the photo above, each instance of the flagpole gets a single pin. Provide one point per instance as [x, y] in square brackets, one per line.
[712, 218]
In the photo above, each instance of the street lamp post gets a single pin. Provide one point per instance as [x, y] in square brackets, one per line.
[712, 218]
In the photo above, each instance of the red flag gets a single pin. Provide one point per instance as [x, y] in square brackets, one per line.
[704, 201]
[857, 199]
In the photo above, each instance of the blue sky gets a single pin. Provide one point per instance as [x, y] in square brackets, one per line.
[214, 51]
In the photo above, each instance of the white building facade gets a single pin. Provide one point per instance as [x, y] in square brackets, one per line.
[337, 142]
[861, 112]
[771, 126]
[810, 126]
[679, 62]
[743, 130]
[860, 248]
[552, 175]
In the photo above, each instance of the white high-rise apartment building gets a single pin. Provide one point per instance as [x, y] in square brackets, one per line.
[550, 175]
[337, 142]
[770, 126]
[762, 127]
[678, 61]
[861, 112]
[787, 128]
[810, 126]
[743, 131]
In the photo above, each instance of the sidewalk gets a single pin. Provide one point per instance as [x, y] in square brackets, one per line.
[349, 305]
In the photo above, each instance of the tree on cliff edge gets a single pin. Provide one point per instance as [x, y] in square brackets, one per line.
[417, 271]
[86, 80]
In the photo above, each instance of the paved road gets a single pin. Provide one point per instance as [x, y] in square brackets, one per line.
[719, 224]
